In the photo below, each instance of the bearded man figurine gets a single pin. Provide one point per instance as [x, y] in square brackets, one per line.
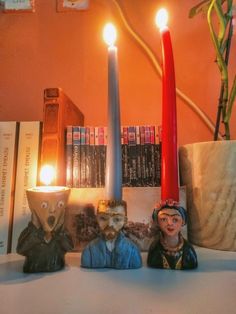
[111, 249]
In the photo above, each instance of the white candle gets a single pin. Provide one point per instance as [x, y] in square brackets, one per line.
[113, 183]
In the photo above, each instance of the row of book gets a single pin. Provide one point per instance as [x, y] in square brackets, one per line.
[19, 157]
[86, 156]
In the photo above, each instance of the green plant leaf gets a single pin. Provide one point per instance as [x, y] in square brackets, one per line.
[203, 6]
[231, 101]
[200, 7]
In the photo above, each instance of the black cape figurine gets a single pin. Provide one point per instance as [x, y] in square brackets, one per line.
[45, 241]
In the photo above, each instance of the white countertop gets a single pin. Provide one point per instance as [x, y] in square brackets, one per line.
[209, 289]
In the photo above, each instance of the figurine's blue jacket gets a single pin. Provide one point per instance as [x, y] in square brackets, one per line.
[124, 256]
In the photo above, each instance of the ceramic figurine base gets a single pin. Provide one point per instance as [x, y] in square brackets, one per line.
[183, 258]
[111, 249]
[43, 256]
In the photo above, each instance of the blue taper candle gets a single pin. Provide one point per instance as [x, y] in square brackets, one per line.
[113, 181]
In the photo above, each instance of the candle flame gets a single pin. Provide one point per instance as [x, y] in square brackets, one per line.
[109, 34]
[47, 174]
[161, 18]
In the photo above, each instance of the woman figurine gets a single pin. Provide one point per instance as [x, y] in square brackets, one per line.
[171, 250]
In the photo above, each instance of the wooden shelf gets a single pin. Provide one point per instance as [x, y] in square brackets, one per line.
[208, 289]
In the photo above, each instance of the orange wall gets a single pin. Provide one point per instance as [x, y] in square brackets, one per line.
[51, 49]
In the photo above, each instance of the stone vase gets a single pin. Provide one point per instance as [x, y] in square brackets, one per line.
[208, 170]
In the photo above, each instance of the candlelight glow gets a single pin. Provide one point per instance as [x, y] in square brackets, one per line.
[109, 34]
[161, 18]
[47, 174]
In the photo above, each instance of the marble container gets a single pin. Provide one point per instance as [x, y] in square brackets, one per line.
[208, 170]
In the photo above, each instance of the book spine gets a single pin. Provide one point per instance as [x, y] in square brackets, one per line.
[8, 148]
[160, 146]
[92, 157]
[159, 133]
[96, 157]
[152, 155]
[87, 158]
[157, 158]
[143, 155]
[76, 156]
[83, 157]
[102, 157]
[138, 154]
[69, 156]
[148, 155]
[125, 157]
[26, 175]
[132, 155]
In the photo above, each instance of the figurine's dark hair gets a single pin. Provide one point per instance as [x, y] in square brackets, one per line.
[112, 204]
[180, 209]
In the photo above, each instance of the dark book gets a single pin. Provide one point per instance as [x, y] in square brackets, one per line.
[143, 156]
[139, 157]
[101, 156]
[157, 158]
[82, 157]
[132, 155]
[69, 156]
[96, 157]
[92, 170]
[76, 156]
[152, 164]
[160, 146]
[87, 158]
[147, 149]
[125, 157]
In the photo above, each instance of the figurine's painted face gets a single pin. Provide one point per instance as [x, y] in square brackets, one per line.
[49, 208]
[170, 221]
[111, 220]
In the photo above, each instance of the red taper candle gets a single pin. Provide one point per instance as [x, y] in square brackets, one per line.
[169, 162]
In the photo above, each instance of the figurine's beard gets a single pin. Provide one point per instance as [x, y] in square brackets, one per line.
[110, 233]
[51, 221]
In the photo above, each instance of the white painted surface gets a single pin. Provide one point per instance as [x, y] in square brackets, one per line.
[209, 289]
